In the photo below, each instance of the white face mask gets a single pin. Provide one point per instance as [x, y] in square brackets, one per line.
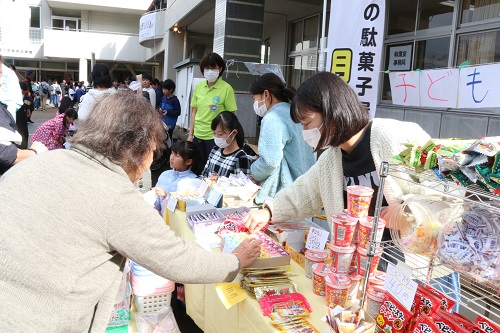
[312, 136]
[260, 110]
[211, 75]
[222, 142]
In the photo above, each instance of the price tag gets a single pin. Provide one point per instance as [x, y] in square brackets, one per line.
[171, 204]
[400, 285]
[316, 239]
[202, 189]
[230, 294]
[214, 197]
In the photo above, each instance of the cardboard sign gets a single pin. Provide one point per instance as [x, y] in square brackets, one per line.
[230, 294]
[214, 197]
[171, 204]
[400, 285]
[316, 239]
[202, 189]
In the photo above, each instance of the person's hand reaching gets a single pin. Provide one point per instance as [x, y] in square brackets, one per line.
[248, 250]
[255, 220]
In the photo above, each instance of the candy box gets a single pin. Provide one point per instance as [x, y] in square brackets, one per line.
[294, 249]
[204, 219]
[272, 255]
[292, 231]
[354, 319]
[237, 212]
[187, 199]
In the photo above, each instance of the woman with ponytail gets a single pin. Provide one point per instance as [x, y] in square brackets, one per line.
[284, 155]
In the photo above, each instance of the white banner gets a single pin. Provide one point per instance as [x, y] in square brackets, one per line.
[470, 87]
[355, 40]
[147, 26]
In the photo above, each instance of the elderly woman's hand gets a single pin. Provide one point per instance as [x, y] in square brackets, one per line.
[248, 250]
[255, 220]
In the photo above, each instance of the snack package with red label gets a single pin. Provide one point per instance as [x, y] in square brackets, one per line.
[429, 302]
[392, 317]
[486, 325]
[425, 324]
[447, 303]
[270, 304]
[466, 323]
[415, 306]
[447, 323]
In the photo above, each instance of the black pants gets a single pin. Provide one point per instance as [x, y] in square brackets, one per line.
[205, 147]
[22, 127]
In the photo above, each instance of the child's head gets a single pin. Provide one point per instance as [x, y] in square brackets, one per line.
[24, 88]
[226, 125]
[65, 104]
[146, 80]
[185, 155]
[168, 87]
[70, 115]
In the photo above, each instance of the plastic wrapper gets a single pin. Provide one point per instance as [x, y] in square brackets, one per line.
[162, 321]
[486, 325]
[447, 323]
[270, 304]
[470, 242]
[425, 324]
[121, 309]
[392, 317]
[447, 303]
[417, 223]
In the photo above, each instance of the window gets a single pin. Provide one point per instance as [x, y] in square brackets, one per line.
[480, 10]
[66, 23]
[479, 48]
[35, 21]
[266, 51]
[303, 58]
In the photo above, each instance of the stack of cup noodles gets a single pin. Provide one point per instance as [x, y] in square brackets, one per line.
[351, 232]
[313, 257]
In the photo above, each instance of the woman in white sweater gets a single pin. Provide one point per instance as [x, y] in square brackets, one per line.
[332, 117]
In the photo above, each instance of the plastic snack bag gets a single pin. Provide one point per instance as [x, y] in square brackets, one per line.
[162, 321]
[121, 310]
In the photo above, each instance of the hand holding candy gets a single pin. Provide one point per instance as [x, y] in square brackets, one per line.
[248, 250]
[255, 220]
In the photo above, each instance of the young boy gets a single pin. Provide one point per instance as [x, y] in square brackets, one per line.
[146, 84]
[170, 107]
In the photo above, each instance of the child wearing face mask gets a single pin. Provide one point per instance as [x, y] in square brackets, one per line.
[227, 157]
[284, 155]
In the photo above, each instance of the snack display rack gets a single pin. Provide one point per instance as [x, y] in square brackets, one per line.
[475, 298]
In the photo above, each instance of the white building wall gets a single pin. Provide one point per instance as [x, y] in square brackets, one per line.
[275, 28]
[122, 23]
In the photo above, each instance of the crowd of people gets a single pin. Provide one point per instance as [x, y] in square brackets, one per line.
[69, 281]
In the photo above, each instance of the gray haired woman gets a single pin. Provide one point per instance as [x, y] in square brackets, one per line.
[61, 259]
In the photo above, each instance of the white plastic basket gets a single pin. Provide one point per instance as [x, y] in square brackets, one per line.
[151, 304]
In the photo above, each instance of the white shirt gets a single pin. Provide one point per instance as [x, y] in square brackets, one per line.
[152, 95]
[10, 91]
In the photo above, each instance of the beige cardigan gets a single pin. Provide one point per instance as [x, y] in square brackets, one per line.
[68, 219]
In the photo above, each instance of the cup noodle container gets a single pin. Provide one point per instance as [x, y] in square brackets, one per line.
[363, 260]
[374, 299]
[336, 289]
[377, 280]
[354, 287]
[313, 257]
[355, 238]
[319, 271]
[343, 227]
[365, 231]
[358, 200]
[341, 258]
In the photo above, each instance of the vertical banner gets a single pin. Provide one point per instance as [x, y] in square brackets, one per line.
[355, 40]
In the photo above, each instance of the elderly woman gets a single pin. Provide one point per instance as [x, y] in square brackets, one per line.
[61, 259]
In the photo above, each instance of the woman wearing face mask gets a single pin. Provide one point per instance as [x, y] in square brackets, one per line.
[210, 97]
[227, 157]
[284, 155]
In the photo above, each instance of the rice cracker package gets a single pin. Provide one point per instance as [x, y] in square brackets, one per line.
[447, 323]
[486, 325]
[393, 317]
[447, 303]
[425, 324]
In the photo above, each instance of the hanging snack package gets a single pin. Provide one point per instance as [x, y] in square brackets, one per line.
[486, 325]
[447, 303]
[392, 317]
[447, 323]
[430, 303]
[425, 324]
[466, 323]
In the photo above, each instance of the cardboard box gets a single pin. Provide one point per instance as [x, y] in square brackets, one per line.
[292, 231]
[294, 250]
[210, 226]
[272, 260]
[232, 210]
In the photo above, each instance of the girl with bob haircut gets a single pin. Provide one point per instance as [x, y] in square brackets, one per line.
[210, 97]
[332, 117]
[227, 157]
[284, 155]
[76, 256]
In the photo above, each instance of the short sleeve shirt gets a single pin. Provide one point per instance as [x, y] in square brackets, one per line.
[210, 102]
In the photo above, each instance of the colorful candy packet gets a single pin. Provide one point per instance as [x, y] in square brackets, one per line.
[274, 290]
[392, 317]
[270, 304]
[294, 325]
[425, 324]
[447, 303]
[447, 323]
[486, 325]
[282, 314]
[430, 303]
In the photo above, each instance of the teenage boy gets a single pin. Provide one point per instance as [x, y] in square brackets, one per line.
[170, 106]
[146, 86]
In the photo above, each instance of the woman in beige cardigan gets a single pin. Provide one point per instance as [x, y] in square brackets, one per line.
[61, 256]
